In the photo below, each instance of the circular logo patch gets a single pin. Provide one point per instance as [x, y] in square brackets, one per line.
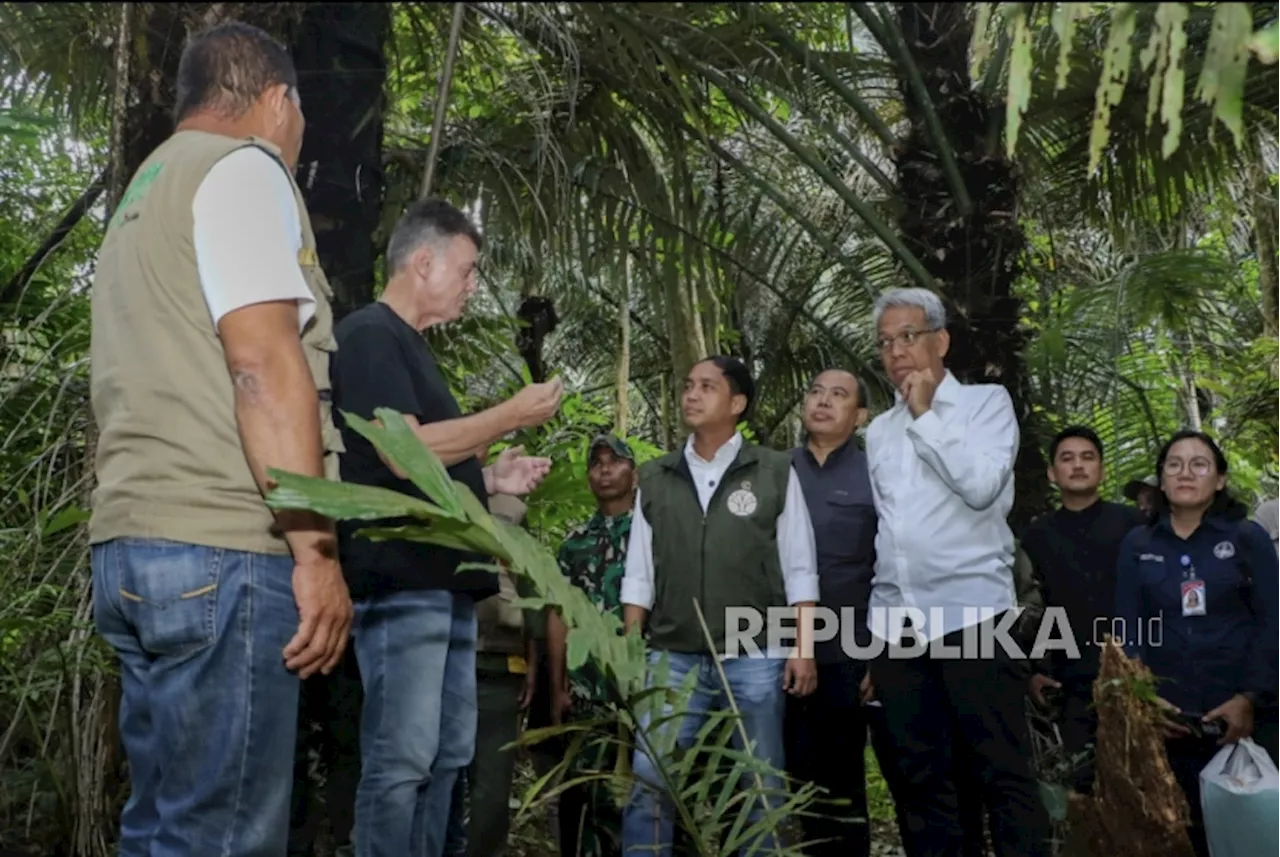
[742, 502]
[1224, 550]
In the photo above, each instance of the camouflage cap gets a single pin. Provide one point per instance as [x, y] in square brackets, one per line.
[615, 444]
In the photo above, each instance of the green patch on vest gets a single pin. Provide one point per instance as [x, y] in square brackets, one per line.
[137, 190]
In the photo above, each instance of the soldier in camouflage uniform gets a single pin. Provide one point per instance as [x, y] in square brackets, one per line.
[593, 558]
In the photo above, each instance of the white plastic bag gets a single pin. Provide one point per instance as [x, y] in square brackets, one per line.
[1240, 796]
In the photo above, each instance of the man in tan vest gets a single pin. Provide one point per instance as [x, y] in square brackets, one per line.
[210, 347]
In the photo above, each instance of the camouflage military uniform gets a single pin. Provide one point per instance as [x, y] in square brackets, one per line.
[593, 557]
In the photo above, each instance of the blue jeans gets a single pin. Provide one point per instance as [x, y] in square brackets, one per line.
[417, 656]
[756, 685]
[208, 712]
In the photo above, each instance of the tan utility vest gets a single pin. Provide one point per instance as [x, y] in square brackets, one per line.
[170, 463]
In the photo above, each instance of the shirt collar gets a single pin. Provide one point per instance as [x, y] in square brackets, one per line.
[1216, 523]
[832, 457]
[724, 454]
[947, 392]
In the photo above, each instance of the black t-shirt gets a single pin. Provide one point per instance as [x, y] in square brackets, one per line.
[382, 362]
[1074, 555]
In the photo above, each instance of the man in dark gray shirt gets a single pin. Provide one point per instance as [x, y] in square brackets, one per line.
[826, 732]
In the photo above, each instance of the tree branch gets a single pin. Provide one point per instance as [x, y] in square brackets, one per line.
[72, 216]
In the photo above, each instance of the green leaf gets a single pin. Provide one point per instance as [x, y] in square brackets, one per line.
[1064, 26]
[1265, 44]
[68, 517]
[344, 501]
[1019, 94]
[576, 650]
[1226, 61]
[401, 446]
[1116, 60]
[1165, 50]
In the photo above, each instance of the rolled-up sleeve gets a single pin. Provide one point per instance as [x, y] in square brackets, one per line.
[637, 580]
[797, 552]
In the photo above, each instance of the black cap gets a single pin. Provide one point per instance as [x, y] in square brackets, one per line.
[1135, 485]
[615, 444]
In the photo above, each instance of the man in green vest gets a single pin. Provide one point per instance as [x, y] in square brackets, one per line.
[721, 524]
[210, 346]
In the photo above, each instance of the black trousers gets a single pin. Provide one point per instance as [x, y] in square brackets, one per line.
[931, 704]
[328, 723]
[1187, 758]
[825, 737]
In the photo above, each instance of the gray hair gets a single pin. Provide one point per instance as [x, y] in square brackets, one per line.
[935, 314]
[427, 221]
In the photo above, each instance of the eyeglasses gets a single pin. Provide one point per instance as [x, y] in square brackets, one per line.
[1197, 466]
[907, 338]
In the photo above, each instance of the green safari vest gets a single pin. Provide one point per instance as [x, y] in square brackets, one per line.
[727, 557]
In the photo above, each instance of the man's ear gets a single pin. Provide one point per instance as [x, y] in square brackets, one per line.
[944, 343]
[274, 98]
[1049, 472]
[738, 405]
[422, 260]
[859, 418]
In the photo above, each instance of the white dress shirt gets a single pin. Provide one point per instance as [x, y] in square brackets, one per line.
[943, 487]
[796, 552]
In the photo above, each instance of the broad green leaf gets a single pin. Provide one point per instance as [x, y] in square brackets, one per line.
[577, 649]
[1019, 79]
[64, 519]
[1116, 60]
[1163, 58]
[1265, 44]
[1226, 61]
[400, 445]
[445, 532]
[980, 45]
[1064, 26]
[344, 501]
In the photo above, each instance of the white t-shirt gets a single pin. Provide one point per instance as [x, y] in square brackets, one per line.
[247, 236]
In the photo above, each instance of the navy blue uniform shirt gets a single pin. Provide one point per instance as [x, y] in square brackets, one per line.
[1201, 661]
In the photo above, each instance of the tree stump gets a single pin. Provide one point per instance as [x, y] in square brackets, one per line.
[1137, 807]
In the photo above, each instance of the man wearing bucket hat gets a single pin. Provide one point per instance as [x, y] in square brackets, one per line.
[1142, 493]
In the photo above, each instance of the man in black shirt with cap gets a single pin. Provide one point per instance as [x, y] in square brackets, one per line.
[1073, 551]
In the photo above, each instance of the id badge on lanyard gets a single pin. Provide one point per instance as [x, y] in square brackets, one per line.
[1193, 590]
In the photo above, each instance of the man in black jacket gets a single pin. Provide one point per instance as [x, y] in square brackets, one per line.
[1073, 551]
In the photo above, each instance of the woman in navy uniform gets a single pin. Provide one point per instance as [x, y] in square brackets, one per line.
[1209, 575]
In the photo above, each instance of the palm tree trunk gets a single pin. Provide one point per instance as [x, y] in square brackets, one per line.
[974, 258]
[339, 51]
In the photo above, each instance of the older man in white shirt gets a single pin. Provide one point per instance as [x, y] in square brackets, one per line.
[942, 477]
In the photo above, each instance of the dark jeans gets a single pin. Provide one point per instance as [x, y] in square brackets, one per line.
[826, 739]
[208, 712]
[328, 724]
[418, 726]
[930, 701]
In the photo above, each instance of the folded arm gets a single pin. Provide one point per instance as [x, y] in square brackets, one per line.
[972, 453]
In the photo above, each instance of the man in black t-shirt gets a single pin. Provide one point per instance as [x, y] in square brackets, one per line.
[1073, 551]
[415, 626]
